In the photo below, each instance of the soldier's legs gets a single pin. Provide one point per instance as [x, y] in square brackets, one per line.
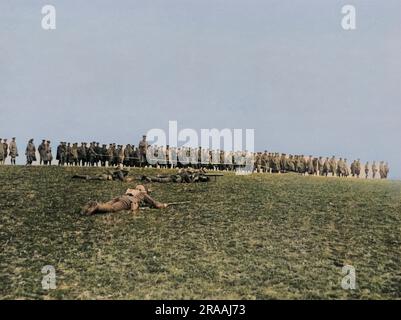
[111, 206]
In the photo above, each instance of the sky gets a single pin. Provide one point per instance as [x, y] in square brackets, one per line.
[112, 70]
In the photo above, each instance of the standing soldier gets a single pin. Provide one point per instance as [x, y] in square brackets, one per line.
[367, 169]
[320, 166]
[92, 154]
[13, 150]
[143, 147]
[110, 155]
[49, 155]
[346, 169]
[381, 169]
[5, 148]
[42, 151]
[340, 168]
[30, 152]
[258, 162]
[1, 152]
[103, 155]
[333, 165]
[326, 167]
[386, 170]
[74, 154]
[58, 153]
[353, 168]
[98, 150]
[120, 155]
[374, 169]
[309, 166]
[68, 154]
[291, 164]
[81, 158]
[358, 168]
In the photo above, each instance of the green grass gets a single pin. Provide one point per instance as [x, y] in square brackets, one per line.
[251, 237]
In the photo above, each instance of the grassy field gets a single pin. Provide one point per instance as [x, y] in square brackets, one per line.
[252, 237]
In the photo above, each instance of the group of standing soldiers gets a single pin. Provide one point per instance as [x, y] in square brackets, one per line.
[281, 163]
[94, 154]
[8, 150]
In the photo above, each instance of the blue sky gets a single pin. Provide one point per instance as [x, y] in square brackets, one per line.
[112, 70]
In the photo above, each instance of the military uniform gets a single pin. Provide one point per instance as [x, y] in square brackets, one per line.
[131, 200]
[30, 152]
[1, 152]
[13, 151]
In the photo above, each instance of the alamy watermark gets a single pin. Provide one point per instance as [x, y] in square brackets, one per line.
[49, 278]
[187, 146]
[348, 282]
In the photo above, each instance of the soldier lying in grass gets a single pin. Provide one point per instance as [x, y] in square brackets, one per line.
[188, 175]
[119, 174]
[131, 200]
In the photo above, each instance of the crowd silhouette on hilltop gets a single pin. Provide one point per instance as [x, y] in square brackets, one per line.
[146, 155]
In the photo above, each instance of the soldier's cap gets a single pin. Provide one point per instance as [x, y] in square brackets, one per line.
[14, 138]
[48, 141]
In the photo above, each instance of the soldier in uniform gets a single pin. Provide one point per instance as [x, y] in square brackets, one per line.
[320, 166]
[386, 170]
[143, 147]
[374, 169]
[131, 200]
[81, 154]
[58, 153]
[30, 152]
[187, 175]
[103, 155]
[258, 162]
[49, 155]
[367, 170]
[381, 170]
[98, 157]
[1, 152]
[326, 167]
[120, 155]
[353, 168]
[340, 168]
[5, 150]
[283, 163]
[117, 175]
[309, 166]
[346, 169]
[42, 152]
[74, 154]
[358, 168]
[291, 164]
[333, 165]
[110, 155]
[92, 154]
[68, 154]
[13, 150]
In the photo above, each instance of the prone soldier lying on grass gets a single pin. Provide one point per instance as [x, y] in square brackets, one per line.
[119, 174]
[188, 175]
[131, 200]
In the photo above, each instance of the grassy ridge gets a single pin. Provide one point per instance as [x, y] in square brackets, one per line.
[256, 237]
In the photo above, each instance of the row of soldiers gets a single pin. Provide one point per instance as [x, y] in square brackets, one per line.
[94, 154]
[8, 150]
[276, 162]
